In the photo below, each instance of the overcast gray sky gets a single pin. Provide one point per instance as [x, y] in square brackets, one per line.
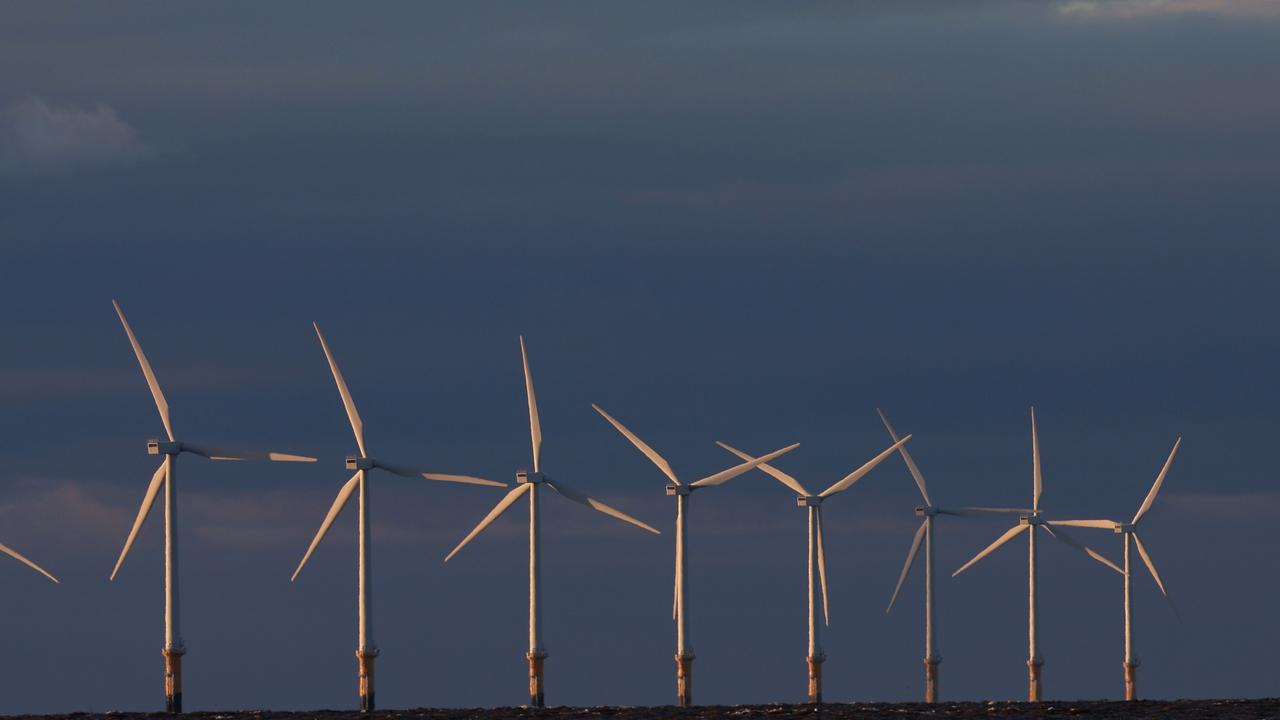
[750, 222]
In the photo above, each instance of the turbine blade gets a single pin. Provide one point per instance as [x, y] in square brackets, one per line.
[822, 568]
[774, 472]
[854, 476]
[1099, 524]
[535, 428]
[1151, 566]
[338, 503]
[409, 472]
[147, 501]
[595, 504]
[906, 567]
[1038, 482]
[23, 559]
[1006, 537]
[970, 511]
[641, 445]
[357, 426]
[506, 502]
[224, 454]
[161, 404]
[1062, 535]
[1155, 487]
[911, 464]
[725, 475]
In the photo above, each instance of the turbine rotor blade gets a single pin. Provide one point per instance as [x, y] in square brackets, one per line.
[148, 500]
[595, 504]
[1037, 480]
[408, 472]
[822, 568]
[856, 475]
[1155, 487]
[23, 559]
[906, 567]
[161, 404]
[1099, 524]
[506, 502]
[970, 511]
[339, 502]
[725, 475]
[911, 464]
[535, 428]
[1006, 537]
[1151, 566]
[357, 426]
[641, 445]
[224, 454]
[1062, 535]
[772, 471]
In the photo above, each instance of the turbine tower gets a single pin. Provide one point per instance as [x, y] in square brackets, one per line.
[530, 483]
[366, 649]
[925, 533]
[166, 475]
[682, 492]
[1030, 522]
[1130, 532]
[817, 553]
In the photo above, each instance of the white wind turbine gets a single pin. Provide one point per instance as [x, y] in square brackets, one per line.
[1031, 522]
[366, 649]
[817, 552]
[529, 483]
[166, 475]
[1130, 532]
[925, 533]
[682, 492]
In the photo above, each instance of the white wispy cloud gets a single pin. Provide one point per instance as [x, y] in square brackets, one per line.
[37, 138]
[1131, 9]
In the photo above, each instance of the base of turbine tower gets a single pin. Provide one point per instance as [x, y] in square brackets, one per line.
[173, 679]
[815, 678]
[535, 679]
[364, 668]
[931, 679]
[1131, 681]
[684, 680]
[1035, 689]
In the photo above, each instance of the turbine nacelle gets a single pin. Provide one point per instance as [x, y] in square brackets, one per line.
[360, 463]
[926, 511]
[532, 478]
[1123, 528]
[163, 447]
[809, 501]
[1031, 520]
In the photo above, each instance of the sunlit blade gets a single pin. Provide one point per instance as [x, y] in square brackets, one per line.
[1100, 524]
[969, 511]
[408, 472]
[356, 425]
[23, 559]
[906, 567]
[1155, 487]
[535, 428]
[147, 501]
[854, 476]
[594, 504]
[822, 568]
[1062, 535]
[1035, 463]
[161, 404]
[774, 472]
[338, 503]
[224, 454]
[911, 464]
[1146, 559]
[502, 506]
[1006, 537]
[641, 445]
[733, 472]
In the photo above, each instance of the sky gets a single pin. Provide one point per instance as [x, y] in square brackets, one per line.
[750, 222]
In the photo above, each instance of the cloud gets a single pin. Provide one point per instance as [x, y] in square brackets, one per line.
[1131, 9]
[36, 138]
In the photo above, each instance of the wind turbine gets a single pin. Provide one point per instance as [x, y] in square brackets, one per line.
[1030, 522]
[682, 492]
[529, 483]
[166, 475]
[1130, 532]
[925, 533]
[817, 553]
[366, 650]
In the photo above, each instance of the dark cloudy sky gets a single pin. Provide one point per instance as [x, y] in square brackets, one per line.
[752, 222]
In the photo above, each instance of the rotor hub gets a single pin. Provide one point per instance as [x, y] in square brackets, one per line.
[163, 447]
[532, 478]
[809, 501]
[674, 490]
[360, 463]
